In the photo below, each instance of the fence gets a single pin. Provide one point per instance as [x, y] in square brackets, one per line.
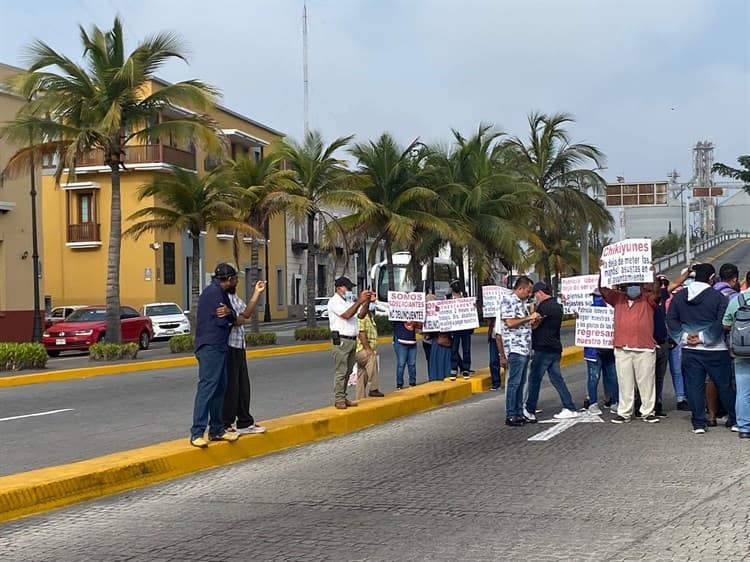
[678, 258]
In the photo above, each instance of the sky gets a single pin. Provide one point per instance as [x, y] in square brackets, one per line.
[644, 79]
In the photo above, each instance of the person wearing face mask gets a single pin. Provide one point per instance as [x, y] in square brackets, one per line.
[460, 338]
[367, 348]
[694, 320]
[342, 319]
[635, 349]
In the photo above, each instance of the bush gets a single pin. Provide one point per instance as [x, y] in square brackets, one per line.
[181, 344]
[17, 356]
[312, 334]
[113, 351]
[260, 338]
[384, 326]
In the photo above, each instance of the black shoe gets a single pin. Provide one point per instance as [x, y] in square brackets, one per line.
[528, 420]
[399, 387]
[637, 413]
[412, 384]
[711, 423]
[683, 406]
[608, 403]
[620, 419]
[659, 411]
[729, 424]
[493, 387]
[587, 403]
[514, 422]
[743, 435]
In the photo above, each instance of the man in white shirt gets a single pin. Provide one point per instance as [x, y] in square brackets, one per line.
[342, 319]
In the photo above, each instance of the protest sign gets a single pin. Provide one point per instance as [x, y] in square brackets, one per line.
[627, 261]
[491, 297]
[406, 307]
[576, 291]
[458, 314]
[595, 326]
[432, 317]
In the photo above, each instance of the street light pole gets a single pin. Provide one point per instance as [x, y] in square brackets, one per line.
[687, 226]
[36, 332]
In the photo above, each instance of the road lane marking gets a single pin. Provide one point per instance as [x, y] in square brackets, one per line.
[562, 425]
[37, 414]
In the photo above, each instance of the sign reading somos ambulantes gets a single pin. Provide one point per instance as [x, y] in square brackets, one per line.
[627, 261]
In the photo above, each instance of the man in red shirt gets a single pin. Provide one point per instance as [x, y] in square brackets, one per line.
[635, 348]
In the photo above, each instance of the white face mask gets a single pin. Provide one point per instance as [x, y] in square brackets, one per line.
[349, 296]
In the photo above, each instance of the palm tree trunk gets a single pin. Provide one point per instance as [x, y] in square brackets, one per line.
[112, 315]
[195, 276]
[389, 266]
[254, 259]
[546, 267]
[311, 253]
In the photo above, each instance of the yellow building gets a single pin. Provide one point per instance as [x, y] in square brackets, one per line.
[156, 267]
[16, 265]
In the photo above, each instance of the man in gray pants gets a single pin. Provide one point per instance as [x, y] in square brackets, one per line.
[342, 319]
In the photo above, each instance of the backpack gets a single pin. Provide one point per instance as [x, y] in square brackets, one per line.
[739, 335]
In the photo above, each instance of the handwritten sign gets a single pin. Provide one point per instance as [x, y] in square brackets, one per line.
[432, 317]
[627, 261]
[458, 314]
[406, 307]
[595, 327]
[576, 291]
[491, 297]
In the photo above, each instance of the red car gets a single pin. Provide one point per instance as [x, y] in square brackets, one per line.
[86, 326]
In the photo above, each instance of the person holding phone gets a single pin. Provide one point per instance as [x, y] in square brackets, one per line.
[545, 341]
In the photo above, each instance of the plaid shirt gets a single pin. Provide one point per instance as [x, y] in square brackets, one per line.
[367, 325]
[237, 334]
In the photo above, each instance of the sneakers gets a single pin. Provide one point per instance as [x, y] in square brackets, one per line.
[493, 387]
[515, 421]
[620, 419]
[735, 428]
[466, 375]
[399, 387]
[453, 375]
[651, 418]
[683, 406]
[528, 415]
[199, 442]
[699, 430]
[594, 409]
[251, 429]
[565, 414]
[613, 407]
[226, 436]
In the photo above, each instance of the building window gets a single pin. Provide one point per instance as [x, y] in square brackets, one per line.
[169, 263]
[280, 285]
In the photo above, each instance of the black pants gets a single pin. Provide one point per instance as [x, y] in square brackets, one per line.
[662, 360]
[237, 397]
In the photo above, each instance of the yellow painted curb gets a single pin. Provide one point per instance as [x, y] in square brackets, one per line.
[48, 488]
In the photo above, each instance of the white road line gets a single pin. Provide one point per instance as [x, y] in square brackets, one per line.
[37, 414]
[562, 425]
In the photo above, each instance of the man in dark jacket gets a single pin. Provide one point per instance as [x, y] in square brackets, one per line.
[214, 320]
[694, 320]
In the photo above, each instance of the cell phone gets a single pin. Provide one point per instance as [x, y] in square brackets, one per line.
[335, 338]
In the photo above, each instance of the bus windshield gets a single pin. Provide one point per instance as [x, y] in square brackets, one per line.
[403, 280]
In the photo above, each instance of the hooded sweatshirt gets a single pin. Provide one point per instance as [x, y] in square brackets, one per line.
[698, 309]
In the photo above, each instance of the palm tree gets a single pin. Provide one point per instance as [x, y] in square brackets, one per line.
[740, 174]
[102, 105]
[186, 202]
[555, 166]
[321, 182]
[401, 207]
[259, 180]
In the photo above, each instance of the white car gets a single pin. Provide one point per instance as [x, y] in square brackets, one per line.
[167, 318]
[60, 313]
[321, 308]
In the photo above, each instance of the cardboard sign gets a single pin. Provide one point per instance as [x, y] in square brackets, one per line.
[595, 327]
[627, 261]
[491, 297]
[576, 291]
[458, 314]
[406, 307]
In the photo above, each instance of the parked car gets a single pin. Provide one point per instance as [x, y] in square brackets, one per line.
[167, 318]
[87, 325]
[60, 313]
[321, 308]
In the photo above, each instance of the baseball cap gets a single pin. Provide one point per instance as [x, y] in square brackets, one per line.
[343, 282]
[224, 271]
[541, 286]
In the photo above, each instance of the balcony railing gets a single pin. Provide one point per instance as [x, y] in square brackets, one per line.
[139, 154]
[86, 232]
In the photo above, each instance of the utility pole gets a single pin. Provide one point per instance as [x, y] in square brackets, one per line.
[306, 100]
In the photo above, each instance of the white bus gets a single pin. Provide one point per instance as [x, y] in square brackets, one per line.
[444, 270]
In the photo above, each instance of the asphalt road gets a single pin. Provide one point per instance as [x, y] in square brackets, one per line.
[452, 484]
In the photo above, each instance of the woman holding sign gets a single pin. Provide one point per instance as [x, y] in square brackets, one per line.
[405, 346]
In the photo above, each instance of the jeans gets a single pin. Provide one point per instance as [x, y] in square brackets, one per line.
[209, 396]
[461, 338]
[495, 365]
[595, 371]
[406, 356]
[717, 364]
[742, 405]
[514, 384]
[550, 363]
[675, 369]
[662, 359]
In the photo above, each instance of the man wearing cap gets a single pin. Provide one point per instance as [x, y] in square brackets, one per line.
[342, 319]
[694, 320]
[545, 341]
[461, 338]
[214, 320]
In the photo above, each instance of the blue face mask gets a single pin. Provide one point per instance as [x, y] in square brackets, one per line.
[349, 296]
[373, 307]
[633, 291]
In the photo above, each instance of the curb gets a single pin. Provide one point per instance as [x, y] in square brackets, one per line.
[36, 491]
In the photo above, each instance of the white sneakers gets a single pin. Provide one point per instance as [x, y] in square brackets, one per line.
[528, 415]
[251, 430]
[594, 409]
[566, 414]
